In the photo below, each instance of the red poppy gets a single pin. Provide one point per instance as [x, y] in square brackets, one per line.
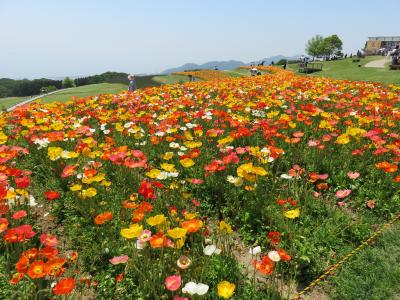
[146, 190]
[120, 277]
[274, 237]
[19, 214]
[52, 195]
[48, 252]
[22, 182]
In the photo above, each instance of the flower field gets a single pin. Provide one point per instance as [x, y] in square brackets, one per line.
[148, 195]
[205, 74]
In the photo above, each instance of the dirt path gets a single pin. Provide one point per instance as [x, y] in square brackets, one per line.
[379, 63]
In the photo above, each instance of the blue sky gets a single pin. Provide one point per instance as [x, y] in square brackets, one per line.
[50, 38]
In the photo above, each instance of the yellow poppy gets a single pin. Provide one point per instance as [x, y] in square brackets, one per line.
[156, 220]
[132, 232]
[292, 214]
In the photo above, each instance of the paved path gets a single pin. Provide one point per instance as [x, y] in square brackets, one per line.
[33, 99]
[379, 63]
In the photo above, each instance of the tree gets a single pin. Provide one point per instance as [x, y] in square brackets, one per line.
[332, 45]
[68, 83]
[315, 46]
[318, 45]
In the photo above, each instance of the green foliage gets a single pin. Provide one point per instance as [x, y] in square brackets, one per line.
[68, 83]
[318, 45]
[48, 89]
[315, 46]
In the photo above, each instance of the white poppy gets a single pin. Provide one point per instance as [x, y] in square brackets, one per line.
[274, 256]
[256, 250]
[193, 288]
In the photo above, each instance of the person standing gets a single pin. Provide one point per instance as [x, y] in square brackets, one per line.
[132, 83]
[395, 55]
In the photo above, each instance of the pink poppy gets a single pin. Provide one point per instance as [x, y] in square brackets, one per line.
[48, 240]
[341, 203]
[353, 175]
[240, 150]
[342, 193]
[316, 194]
[196, 181]
[196, 202]
[19, 214]
[145, 236]
[68, 171]
[313, 143]
[173, 282]
[119, 259]
[323, 176]
[298, 134]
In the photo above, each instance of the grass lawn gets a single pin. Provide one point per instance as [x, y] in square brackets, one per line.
[10, 101]
[373, 273]
[347, 69]
[83, 91]
[170, 79]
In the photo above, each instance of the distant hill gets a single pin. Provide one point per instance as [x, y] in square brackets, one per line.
[227, 65]
[222, 65]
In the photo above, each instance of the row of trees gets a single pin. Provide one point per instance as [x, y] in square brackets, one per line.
[25, 87]
[320, 46]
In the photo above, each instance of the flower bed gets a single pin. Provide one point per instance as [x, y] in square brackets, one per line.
[138, 195]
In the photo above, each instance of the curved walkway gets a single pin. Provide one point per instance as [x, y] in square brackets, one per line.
[379, 63]
[33, 99]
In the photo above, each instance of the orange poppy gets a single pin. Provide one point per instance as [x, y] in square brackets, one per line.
[192, 225]
[158, 240]
[36, 270]
[64, 286]
[284, 256]
[22, 264]
[266, 266]
[54, 267]
[16, 277]
[103, 218]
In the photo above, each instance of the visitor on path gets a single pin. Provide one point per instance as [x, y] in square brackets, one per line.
[132, 83]
[395, 55]
[253, 72]
[285, 65]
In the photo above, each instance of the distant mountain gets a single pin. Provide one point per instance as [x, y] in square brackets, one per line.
[221, 65]
[228, 65]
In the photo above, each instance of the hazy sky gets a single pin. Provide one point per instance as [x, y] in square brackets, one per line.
[50, 38]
